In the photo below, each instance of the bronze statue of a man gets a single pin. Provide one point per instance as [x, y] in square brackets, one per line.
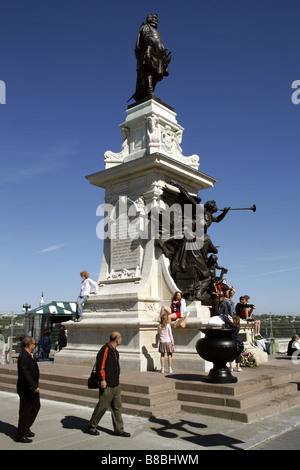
[152, 58]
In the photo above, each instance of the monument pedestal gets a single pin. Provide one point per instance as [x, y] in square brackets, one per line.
[132, 307]
[134, 280]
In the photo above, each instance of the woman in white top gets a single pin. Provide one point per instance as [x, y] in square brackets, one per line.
[85, 290]
[177, 308]
[166, 342]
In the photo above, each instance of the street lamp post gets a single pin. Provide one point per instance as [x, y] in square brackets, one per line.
[28, 326]
[11, 338]
[26, 307]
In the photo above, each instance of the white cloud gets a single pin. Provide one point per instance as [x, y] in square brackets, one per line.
[52, 248]
[276, 271]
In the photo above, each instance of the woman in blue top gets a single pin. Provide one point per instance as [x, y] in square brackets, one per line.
[235, 335]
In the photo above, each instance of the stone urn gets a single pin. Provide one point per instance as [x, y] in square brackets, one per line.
[219, 347]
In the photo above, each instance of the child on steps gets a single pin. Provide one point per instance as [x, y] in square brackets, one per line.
[166, 342]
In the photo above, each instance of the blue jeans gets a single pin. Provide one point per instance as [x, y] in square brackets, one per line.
[231, 306]
[225, 309]
[80, 304]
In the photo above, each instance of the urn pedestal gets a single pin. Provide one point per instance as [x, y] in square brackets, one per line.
[219, 347]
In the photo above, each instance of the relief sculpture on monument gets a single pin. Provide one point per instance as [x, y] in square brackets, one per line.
[193, 270]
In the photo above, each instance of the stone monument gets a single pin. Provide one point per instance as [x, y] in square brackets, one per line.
[136, 276]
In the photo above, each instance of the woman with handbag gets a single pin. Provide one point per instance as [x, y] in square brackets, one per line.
[166, 342]
[177, 308]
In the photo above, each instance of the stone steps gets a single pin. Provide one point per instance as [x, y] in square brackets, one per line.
[147, 400]
[259, 393]
[264, 410]
[245, 401]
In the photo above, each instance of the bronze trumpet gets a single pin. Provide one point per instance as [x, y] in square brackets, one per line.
[253, 208]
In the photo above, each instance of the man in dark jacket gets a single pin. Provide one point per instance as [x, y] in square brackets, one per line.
[28, 390]
[108, 369]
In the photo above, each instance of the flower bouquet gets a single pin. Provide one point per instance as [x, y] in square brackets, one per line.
[248, 359]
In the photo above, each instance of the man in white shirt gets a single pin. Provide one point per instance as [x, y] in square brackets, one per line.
[85, 290]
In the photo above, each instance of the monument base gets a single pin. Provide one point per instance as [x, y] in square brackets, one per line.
[139, 348]
[135, 280]
[138, 327]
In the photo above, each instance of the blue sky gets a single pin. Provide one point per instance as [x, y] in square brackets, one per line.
[69, 69]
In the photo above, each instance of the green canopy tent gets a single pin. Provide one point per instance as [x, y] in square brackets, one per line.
[43, 324]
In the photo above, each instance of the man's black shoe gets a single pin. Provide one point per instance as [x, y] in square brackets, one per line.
[24, 440]
[93, 432]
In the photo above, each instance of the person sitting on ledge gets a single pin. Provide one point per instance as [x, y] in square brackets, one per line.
[228, 291]
[244, 311]
[293, 345]
[177, 308]
[216, 292]
[224, 309]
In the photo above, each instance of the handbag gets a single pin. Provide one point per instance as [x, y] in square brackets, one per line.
[180, 322]
[93, 380]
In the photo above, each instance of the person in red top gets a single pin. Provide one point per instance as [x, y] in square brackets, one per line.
[108, 369]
